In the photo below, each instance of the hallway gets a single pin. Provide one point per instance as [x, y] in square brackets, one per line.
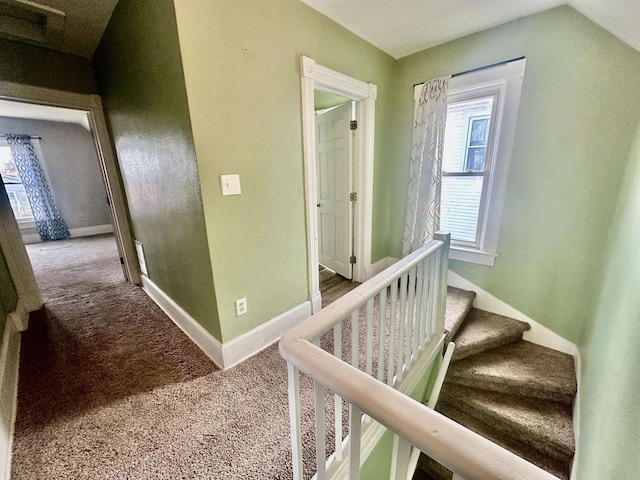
[110, 388]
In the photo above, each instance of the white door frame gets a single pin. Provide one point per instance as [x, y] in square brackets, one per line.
[10, 240]
[318, 77]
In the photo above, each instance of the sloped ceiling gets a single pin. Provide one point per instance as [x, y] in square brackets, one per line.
[402, 27]
[72, 26]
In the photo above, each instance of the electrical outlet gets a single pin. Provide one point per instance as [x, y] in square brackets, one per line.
[241, 306]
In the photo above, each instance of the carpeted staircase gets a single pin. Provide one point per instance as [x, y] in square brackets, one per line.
[515, 393]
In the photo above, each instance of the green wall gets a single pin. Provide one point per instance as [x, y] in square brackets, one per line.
[608, 446]
[242, 70]
[577, 119]
[21, 63]
[139, 72]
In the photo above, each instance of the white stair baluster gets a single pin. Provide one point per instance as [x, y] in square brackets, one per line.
[402, 320]
[382, 321]
[321, 450]
[294, 418]
[369, 320]
[337, 351]
[355, 432]
[393, 321]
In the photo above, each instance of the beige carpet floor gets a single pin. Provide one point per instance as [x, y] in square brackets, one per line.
[110, 388]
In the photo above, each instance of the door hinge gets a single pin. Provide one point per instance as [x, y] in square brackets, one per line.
[108, 201]
[353, 124]
[122, 260]
[352, 259]
[353, 196]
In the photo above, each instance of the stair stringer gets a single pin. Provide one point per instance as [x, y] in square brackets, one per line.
[539, 334]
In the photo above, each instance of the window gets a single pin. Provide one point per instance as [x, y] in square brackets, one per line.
[481, 115]
[13, 185]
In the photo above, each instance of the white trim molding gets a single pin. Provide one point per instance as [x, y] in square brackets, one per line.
[254, 341]
[503, 83]
[210, 345]
[29, 238]
[228, 354]
[317, 77]
[19, 317]
[92, 105]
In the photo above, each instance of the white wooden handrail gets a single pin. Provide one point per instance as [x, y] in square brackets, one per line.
[462, 451]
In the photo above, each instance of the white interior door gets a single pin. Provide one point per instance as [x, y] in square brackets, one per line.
[335, 213]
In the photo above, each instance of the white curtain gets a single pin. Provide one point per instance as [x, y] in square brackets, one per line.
[425, 170]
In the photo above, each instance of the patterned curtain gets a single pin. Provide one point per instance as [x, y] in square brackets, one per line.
[46, 215]
[425, 170]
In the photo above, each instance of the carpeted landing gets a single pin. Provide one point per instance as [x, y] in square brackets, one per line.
[513, 392]
[110, 388]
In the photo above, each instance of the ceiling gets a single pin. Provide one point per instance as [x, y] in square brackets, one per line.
[402, 27]
[72, 26]
[42, 112]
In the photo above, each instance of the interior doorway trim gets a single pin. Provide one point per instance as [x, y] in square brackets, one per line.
[317, 77]
[92, 104]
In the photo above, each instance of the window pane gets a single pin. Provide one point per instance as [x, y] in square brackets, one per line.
[460, 206]
[19, 201]
[8, 169]
[461, 118]
[475, 159]
[479, 132]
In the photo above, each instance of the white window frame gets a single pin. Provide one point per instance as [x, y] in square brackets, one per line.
[504, 81]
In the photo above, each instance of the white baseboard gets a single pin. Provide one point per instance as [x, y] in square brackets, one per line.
[576, 415]
[374, 269]
[256, 340]
[316, 302]
[20, 317]
[538, 334]
[29, 238]
[189, 325]
[228, 354]
[9, 365]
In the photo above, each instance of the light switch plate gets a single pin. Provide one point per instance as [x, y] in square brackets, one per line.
[230, 184]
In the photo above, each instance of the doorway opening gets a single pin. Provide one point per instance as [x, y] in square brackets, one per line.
[59, 181]
[51, 175]
[338, 229]
[335, 116]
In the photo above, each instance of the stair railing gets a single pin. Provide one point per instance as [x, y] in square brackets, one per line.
[406, 336]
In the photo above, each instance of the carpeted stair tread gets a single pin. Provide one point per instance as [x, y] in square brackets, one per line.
[542, 424]
[429, 469]
[483, 331]
[459, 303]
[520, 368]
[560, 469]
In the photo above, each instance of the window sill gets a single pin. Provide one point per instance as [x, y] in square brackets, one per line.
[472, 255]
[24, 224]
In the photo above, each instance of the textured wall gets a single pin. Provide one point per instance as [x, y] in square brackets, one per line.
[8, 294]
[70, 159]
[31, 65]
[140, 76]
[577, 120]
[609, 411]
[242, 70]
